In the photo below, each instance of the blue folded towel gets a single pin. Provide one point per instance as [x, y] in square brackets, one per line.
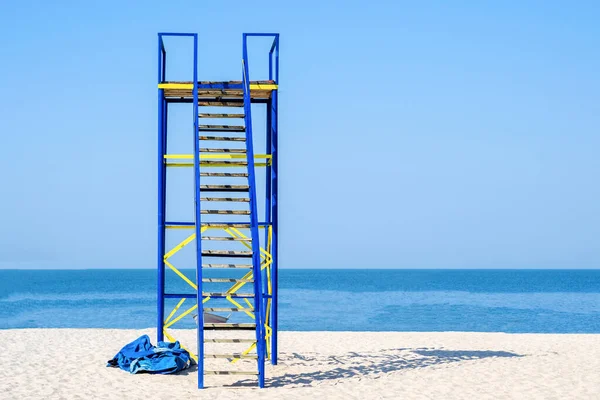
[141, 356]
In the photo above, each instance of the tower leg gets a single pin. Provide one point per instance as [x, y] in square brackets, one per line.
[162, 135]
[274, 218]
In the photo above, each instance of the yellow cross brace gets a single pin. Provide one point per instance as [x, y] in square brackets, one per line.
[267, 260]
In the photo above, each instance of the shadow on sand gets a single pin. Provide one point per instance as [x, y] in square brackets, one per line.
[351, 365]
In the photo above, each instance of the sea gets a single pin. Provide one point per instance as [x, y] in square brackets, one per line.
[515, 301]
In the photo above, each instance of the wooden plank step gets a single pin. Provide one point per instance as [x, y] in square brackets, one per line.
[229, 325]
[221, 93]
[235, 266]
[225, 212]
[210, 115]
[226, 253]
[223, 138]
[229, 340]
[225, 174]
[224, 225]
[232, 295]
[228, 309]
[222, 163]
[223, 280]
[231, 373]
[222, 128]
[234, 199]
[264, 82]
[238, 151]
[218, 103]
[225, 188]
[227, 238]
[232, 355]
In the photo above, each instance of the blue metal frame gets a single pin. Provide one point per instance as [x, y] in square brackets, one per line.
[260, 282]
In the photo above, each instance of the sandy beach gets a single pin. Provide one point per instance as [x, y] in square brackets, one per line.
[70, 364]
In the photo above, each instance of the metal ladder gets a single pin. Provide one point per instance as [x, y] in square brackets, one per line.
[228, 194]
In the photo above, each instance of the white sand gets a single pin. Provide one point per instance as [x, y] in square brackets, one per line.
[70, 363]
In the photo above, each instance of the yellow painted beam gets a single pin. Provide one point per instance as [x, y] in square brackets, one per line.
[181, 275]
[258, 86]
[213, 156]
[175, 86]
[253, 86]
[172, 339]
[208, 227]
[189, 164]
[175, 310]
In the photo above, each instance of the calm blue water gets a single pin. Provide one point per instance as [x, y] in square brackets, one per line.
[376, 300]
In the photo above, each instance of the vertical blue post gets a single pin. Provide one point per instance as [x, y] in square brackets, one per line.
[271, 64]
[274, 222]
[161, 195]
[277, 59]
[274, 208]
[200, 331]
[260, 336]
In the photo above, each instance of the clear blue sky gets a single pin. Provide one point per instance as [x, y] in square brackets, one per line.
[413, 134]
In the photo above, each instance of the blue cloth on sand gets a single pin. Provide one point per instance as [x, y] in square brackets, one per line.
[141, 356]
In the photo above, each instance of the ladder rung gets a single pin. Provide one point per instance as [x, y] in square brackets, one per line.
[225, 174]
[227, 238]
[210, 115]
[239, 266]
[222, 128]
[225, 188]
[226, 253]
[229, 341]
[223, 138]
[229, 309]
[218, 163]
[224, 225]
[237, 199]
[232, 295]
[232, 355]
[228, 325]
[225, 212]
[220, 93]
[206, 150]
[222, 280]
[231, 373]
[221, 103]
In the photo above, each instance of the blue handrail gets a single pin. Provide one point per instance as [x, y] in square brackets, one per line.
[198, 219]
[256, 271]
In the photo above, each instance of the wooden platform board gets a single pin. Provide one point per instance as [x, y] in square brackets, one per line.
[222, 91]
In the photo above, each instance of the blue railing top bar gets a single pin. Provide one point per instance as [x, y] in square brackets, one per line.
[274, 49]
[273, 53]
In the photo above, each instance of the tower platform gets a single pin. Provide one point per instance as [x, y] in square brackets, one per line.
[259, 90]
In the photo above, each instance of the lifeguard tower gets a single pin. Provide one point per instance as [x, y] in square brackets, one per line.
[235, 283]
